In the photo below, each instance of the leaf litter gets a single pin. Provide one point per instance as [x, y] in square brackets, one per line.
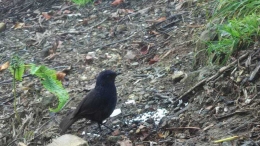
[104, 36]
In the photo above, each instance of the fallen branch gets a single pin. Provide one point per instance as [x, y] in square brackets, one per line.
[202, 82]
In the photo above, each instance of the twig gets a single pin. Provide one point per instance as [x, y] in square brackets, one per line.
[202, 82]
[231, 114]
[182, 128]
[242, 126]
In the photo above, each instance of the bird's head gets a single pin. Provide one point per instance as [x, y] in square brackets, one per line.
[106, 77]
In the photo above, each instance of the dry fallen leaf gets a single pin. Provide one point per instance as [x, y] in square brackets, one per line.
[116, 2]
[60, 75]
[18, 25]
[66, 12]
[129, 10]
[125, 11]
[154, 32]
[164, 134]
[157, 20]
[4, 66]
[161, 135]
[46, 15]
[145, 50]
[161, 19]
[155, 59]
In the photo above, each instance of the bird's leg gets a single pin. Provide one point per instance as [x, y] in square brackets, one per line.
[99, 126]
[105, 126]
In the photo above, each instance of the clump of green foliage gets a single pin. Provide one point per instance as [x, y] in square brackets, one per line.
[236, 34]
[81, 2]
[240, 27]
[237, 8]
[48, 79]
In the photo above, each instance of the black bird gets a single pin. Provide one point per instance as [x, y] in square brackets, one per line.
[98, 104]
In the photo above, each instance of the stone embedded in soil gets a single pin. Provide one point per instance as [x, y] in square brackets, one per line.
[2, 26]
[116, 122]
[68, 140]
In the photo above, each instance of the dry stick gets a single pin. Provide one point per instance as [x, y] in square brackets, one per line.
[221, 70]
[242, 126]
[254, 72]
[182, 128]
[231, 114]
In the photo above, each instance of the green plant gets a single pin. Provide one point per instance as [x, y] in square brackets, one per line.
[82, 2]
[48, 79]
[237, 8]
[233, 36]
[17, 70]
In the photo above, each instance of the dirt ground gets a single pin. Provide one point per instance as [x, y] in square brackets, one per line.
[152, 43]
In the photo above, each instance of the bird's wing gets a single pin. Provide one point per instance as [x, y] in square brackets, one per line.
[89, 104]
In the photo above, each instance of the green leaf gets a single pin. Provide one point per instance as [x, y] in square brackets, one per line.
[82, 2]
[50, 82]
[42, 71]
[55, 87]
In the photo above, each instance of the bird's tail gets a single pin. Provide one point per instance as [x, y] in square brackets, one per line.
[66, 123]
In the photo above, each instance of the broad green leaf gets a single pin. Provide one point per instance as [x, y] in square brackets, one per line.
[55, 87]
[50, 82]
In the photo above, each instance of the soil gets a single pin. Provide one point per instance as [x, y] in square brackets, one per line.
[152, 43]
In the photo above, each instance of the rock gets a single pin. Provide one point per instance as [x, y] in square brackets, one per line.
[21, 144]
[134, 64]
[2, 27]
[116, 122]
[130, 55]
[68, 140]
[178, 75]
